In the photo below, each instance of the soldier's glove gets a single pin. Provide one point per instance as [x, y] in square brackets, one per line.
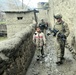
[48, 34]
[55, 32]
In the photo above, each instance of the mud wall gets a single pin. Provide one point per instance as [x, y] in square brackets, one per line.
[16, 53]
[67, 9]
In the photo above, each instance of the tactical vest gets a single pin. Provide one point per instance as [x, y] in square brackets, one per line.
[60, 27]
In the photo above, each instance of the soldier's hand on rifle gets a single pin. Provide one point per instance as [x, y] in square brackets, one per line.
[61, 35]
[48, 34]
[55, 32]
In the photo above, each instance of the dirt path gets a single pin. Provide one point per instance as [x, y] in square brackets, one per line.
[48, 66]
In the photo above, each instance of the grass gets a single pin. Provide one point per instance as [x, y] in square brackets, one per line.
[3, 38]
[2, 23]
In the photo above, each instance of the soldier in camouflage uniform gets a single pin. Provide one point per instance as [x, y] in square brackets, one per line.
[63, 32]
[39, 40]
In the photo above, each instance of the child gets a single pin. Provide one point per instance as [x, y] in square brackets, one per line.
[39, 40]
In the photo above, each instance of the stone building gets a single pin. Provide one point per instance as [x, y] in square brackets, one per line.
[18, 20]
[9, 5]
[3, 28]
[67, 9]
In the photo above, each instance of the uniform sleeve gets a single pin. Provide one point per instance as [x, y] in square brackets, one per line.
[67, 32]
[44, 39]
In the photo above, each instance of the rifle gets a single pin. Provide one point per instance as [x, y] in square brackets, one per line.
[62, 36]
[53, 31]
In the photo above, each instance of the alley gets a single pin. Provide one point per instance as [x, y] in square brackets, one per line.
[48, 65]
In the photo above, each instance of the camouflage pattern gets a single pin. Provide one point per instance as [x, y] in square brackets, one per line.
[62, 27]
[71, 49]
[57, 16]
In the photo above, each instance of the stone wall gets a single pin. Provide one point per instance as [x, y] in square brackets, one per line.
[16, 53]
[67, 9]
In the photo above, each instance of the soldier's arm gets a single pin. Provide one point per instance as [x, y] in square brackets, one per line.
[55, 31]
[67, 32]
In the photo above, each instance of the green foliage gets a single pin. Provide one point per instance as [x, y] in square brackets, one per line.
[3, 38]
[2, 23]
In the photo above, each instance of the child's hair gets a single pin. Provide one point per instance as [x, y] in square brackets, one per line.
[37, 27]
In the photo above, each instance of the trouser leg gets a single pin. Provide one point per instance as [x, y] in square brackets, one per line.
[37, 53]
[58, 53]
[42, 51]
[62, 46]
[59, 60]
[62, 51]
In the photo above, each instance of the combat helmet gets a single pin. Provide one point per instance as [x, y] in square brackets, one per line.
[42, 19]
[57, 16]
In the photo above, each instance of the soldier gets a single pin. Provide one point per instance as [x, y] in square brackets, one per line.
[43, 25]
[63, 32]
[39, 40]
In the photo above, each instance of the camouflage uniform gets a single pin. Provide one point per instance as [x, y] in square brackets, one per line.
[39, 40]
[62, 28]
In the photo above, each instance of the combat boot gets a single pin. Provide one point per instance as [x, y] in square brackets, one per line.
[59, 63]
[43, 56]
[62, 58]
